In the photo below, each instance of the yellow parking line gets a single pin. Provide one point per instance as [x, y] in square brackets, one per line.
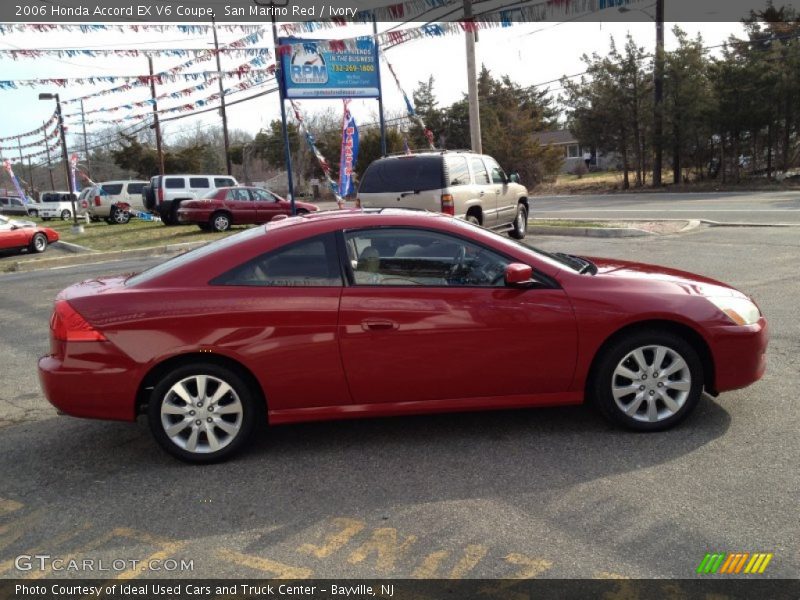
[277, 569]
[336, 540]
[385, 545]
[53, 543]
[7, 506]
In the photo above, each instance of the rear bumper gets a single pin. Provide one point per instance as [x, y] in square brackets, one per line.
[740, 354]
[193, 215]
[98, 383]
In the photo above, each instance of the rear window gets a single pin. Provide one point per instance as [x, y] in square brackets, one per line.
[406, 174]
[111, 189]
[135, 188]
[198, 182]
[174, 183]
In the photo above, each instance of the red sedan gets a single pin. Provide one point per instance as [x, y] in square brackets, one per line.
[240, 205]
[21, 235]
[354, 314]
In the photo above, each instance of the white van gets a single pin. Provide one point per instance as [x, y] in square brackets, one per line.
[164, 194]
[112, 201]
[57, 205]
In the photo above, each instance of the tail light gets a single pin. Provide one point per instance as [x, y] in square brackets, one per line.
[97, 201]
[160, 195]
[448, 206]
[68, 325]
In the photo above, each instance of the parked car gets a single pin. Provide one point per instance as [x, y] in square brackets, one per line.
[13, 206]
[468, 185]
[112, 201]
[226, 206]
[344, 314]
[163, 195]
[57, 205]
[25, 235]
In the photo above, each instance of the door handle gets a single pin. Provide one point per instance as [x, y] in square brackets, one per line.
[482, 193]
[378, 325]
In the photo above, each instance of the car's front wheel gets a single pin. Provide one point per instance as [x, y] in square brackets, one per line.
[648, 381]
[38, 243]
[65, 215]
[33, 213]
[520, 226]
[202, 413]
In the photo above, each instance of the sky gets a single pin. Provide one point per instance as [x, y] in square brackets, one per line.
[530, 53]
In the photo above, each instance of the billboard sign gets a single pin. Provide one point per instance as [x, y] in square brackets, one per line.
[312, 71]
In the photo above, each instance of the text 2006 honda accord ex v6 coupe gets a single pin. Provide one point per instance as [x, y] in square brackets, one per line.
[353, 314]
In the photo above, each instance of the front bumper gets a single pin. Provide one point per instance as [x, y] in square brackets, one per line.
[740, 354]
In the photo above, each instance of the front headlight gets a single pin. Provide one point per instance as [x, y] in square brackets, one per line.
[739, 310]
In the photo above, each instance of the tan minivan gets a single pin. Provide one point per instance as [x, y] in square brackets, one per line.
[464, 184]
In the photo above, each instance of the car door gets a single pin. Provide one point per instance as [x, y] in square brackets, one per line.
[487, 192]
[427, 317]
[12, 236]
[133, 192]
[241, 206]
[267, 205]
[506, 203]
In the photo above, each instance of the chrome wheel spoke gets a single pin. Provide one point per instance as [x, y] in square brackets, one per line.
[678, 364]
[652, 410]
[659, 357]
[638, 356]
[626, 373]
[621, 392]
[681, 386]
[670, 403]
[213, 442]
[234, 408]
[633, 407]
[222, 389]
[179, 390]
[202, 383]
[191, 443]
[175, 429]
[227, 427]
[174, 409]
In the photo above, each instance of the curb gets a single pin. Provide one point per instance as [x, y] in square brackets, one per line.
[85, 258]
[598, 232]
[73, 248]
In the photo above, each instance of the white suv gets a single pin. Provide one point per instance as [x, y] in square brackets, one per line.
[164, 194]
[113, 200]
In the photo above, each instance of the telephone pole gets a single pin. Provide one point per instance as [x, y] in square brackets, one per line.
[85, 144]
[472, 82]
[228, 164]
[49, 164]
[156, 124]
[658, 100]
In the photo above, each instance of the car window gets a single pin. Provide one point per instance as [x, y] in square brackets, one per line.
[403, 174]
[309, 263]
[238, 195]
[14, 202]
[135, 188]
[199, 182]
[3, 201]
[497, 174]
[111, 189]
[457, 171]
[174, 183]
[260, 195]
[479, 170]
[223, 182]
[409, 256]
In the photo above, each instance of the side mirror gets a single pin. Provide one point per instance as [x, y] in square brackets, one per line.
[513, 178]
[519, 275]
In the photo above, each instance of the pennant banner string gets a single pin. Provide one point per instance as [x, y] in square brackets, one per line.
[8, 28]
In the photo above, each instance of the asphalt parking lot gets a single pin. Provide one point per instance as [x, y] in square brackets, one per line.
[534, 493]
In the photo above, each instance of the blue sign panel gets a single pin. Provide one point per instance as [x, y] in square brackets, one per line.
[312, 71]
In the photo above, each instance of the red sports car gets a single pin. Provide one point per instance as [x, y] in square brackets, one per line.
[353, 314]
[239, 205]
[21, 235]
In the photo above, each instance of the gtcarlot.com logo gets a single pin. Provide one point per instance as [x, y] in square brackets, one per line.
[734, 563]
[46, 562]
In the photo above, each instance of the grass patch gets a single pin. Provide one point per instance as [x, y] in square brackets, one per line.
[569, 223]
[136, 234]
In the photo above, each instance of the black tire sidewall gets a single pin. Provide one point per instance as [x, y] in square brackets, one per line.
[515, 232]
[600, 386]
[247, 397]
[67, 213]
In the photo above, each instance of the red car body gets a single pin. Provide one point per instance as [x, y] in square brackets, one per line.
[244, 205]
[357, 351]
[21, 236]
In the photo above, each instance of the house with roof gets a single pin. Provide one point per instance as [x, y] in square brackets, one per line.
[574, 153]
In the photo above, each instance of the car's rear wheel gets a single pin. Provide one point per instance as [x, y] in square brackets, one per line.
[472, 218]
[65, 215]
[38, 243]
[202, 413]
[33, 213]
[119, 217]
[520, 227]
[648, 381]
[220, 221]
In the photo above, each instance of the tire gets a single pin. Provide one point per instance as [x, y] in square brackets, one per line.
[38, 243]
[220, 221]
[188, 427]
[520, 226]
[648, 400]
[472, 219]
[65, 215]
[33, 213]
[119, 217]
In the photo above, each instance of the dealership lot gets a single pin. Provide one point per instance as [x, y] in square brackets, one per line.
[548, 493]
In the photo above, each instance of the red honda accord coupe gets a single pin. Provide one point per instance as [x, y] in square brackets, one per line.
[360, 314]
[240, 205]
